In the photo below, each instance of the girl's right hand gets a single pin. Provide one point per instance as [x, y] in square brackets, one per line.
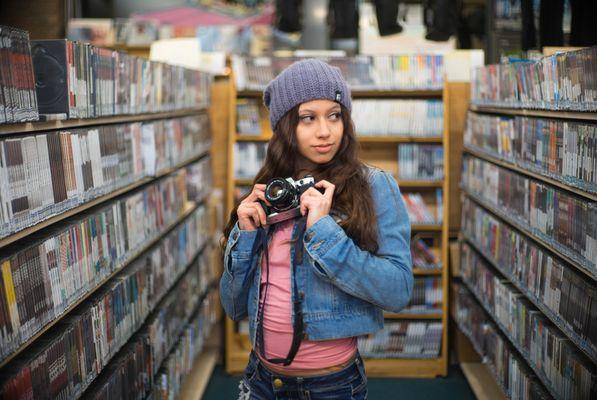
[250, 212]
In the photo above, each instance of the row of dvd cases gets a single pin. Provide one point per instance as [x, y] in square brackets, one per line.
[107, 280]
[528, 245]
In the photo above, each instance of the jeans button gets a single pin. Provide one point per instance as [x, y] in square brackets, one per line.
[277, 383]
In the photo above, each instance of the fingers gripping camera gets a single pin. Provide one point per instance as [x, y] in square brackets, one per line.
[284, 195]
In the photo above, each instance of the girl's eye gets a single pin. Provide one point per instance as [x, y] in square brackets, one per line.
[307, 118]
[335, 116]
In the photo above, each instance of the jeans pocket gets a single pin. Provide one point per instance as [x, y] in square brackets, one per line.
[250, 370]
[360, 386]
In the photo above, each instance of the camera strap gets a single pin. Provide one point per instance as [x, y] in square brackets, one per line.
[297, 326]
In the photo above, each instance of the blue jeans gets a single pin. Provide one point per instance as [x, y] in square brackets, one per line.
[260, 383]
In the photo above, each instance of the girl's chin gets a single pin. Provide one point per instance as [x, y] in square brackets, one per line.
[321, 159]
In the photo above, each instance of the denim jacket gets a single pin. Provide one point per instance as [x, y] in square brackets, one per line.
[343, 288]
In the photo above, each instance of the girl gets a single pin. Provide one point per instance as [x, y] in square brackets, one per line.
[312, 284]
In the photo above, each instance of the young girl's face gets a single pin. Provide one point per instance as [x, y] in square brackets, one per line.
[319, 131]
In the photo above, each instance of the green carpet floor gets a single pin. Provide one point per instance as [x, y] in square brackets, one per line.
[225, 387]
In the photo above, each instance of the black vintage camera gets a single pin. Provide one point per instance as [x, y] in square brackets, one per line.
[284, 196]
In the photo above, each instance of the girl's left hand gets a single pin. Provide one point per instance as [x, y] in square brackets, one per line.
[316, 204]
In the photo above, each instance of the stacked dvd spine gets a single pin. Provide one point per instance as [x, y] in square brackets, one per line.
[567, 372]
[566, 222]
[395, 117]
[384, 72]
[78, 80]
[18, 100]
[404, 339]
[564, 81]
[92, 334]
[61, 267]
[558, 149]
[504, 361]
[50, 173]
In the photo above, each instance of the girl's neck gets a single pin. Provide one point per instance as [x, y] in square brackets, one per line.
[305, 167]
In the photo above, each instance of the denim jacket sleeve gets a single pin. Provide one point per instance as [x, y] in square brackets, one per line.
[236, 278]
[384, 279]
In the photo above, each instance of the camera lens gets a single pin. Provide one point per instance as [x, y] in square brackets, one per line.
[280, 193]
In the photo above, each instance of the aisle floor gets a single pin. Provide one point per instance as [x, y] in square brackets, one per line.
[225, 387]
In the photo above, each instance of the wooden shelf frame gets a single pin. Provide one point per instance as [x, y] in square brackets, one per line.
[362, 139]
[23, 233]
[483, 381]
[554, 318]
[405, 315]
[402, 183]
[573, 115]
[534, 175]
[552, 247]
[191, 207]
[357, 93]
[421, 271]
[45, 126]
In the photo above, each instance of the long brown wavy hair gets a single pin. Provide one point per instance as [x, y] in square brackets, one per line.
[352, 196]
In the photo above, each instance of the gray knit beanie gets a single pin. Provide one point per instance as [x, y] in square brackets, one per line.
[304, 81]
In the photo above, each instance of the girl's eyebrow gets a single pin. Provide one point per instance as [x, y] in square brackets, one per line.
[333, 108]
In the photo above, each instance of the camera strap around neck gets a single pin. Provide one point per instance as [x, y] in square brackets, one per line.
[297, 326]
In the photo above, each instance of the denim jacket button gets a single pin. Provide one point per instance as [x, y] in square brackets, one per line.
[235, 236]
[301, 295]
[305, 336]
[309, 236]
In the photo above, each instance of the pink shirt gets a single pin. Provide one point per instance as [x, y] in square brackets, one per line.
[277, 314]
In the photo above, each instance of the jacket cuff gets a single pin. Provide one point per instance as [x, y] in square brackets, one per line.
[242, 241]
[322, 235]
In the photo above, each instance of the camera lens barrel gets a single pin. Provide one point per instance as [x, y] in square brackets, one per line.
[280, 193]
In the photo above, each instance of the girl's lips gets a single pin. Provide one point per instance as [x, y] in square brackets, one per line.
[323, 149]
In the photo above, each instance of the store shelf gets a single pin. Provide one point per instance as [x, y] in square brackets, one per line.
[367, 93]
[401, 183]
[373, 147]
[555, 319]
[243, 182]
[83, 388]
[362, 139]
[483, 381]
[43, 126]
[422, 271]
[252, 138]
[191, 207]
[426, 227]
[490, 367]
[5, 241]
[553, 247]
[420, 184]
[576, 115]
[398, 139]
[412, 316]
[404, 367]
[524, 353]
[196, 382]
[508, 165]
